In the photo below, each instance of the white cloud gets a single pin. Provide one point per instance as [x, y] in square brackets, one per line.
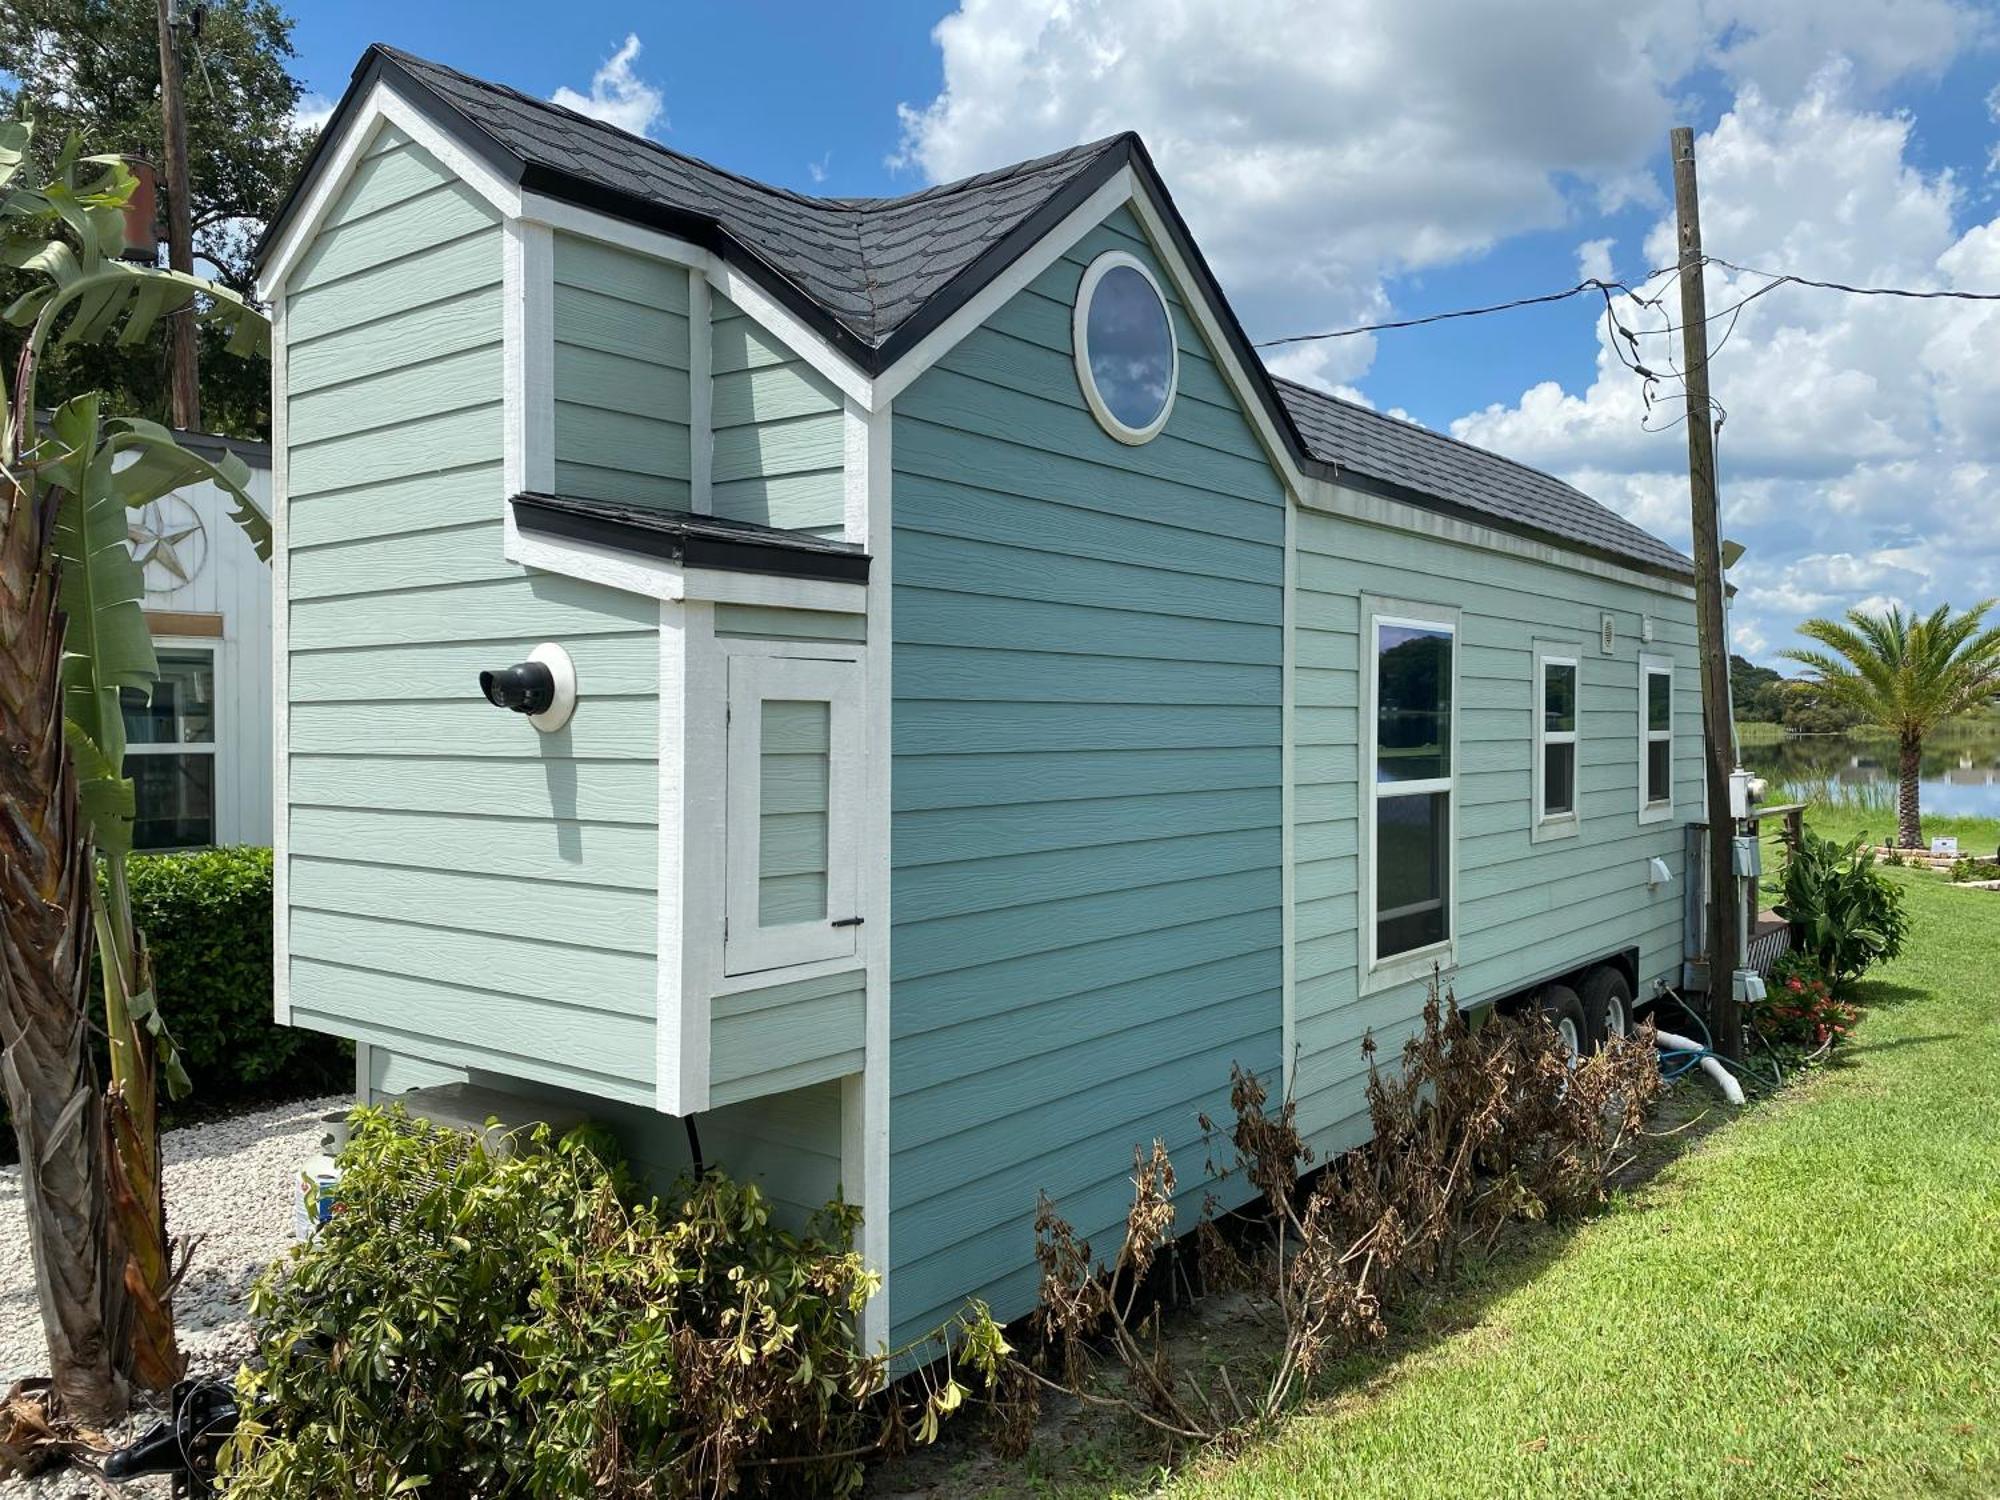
[1323, 148]
[618, 95]
[1593, 260]
[816, 170]
[312, 111]
[1861, 455]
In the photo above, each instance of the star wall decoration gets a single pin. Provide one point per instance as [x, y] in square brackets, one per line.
[169, 542]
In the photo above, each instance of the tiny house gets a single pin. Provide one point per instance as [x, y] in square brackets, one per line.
[897, 684]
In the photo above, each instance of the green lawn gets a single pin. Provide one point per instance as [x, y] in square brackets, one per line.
[1806, 1303]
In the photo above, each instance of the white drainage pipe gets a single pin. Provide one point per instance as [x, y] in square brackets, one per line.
[1725, 1080]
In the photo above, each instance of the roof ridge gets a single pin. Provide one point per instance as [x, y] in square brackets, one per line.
[1431, 432]
[398, 54]
[859, 206]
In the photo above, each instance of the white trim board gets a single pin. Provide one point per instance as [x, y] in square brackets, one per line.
[656, 578]
[871, 1137]
[281, 675]
[528, 374]
[382, 105]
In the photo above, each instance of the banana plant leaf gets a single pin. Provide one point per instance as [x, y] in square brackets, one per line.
[162, 465]
[108, 645]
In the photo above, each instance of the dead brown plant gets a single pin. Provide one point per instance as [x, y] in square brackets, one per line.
[1480, 1127]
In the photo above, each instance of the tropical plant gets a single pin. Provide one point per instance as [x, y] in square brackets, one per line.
[521, 1323]
[72, 638]
[1909, 674]
[1799, 1009]
[93, 66]
[1845, 916]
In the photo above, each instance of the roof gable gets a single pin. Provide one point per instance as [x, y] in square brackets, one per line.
[875, 276]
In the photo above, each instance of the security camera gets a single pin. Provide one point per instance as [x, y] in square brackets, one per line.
[527, 687]
[543, 687]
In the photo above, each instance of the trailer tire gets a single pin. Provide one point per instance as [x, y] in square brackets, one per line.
[1565, 1012]
[1607, 1004]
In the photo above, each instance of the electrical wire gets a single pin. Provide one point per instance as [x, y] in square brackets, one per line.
[1774, 280]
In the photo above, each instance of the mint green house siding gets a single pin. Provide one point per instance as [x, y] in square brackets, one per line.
[1086, 791]
[621, 375]
[778, 437]
[1525, 909]
[427, 833]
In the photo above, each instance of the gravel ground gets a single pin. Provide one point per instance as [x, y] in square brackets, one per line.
[228, 1181]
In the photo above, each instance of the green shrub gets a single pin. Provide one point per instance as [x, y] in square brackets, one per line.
[206, 915]
[1966, 867]
[519, 1324]
[1845, 915]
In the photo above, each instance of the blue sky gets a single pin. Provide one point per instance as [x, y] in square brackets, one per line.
[1347, 160]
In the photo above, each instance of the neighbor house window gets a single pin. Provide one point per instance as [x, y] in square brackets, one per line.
[1412, 784]
[1656, 738]
[1126, 359]
[793, 808]
[170, 751]
[1555, 689]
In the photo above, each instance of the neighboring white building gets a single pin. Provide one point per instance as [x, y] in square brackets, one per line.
[199, 753]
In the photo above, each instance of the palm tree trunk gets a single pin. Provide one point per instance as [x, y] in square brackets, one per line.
[45, 929]
[132, 1118]
[1909, 816]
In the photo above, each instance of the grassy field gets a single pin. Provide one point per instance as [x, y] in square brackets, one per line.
[1806, 1303]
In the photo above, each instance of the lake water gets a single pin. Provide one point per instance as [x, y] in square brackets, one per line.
[1960, 776]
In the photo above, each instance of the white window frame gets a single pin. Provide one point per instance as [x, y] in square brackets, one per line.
[1377, 972]
[1650, 666]
[748, 945]
[212, 748]
[1095, 272]
[1560, 825]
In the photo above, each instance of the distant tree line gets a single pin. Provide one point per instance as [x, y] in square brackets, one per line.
[1761, 695]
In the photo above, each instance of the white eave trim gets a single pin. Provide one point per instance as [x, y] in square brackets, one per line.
[382, 105]
[656, 578]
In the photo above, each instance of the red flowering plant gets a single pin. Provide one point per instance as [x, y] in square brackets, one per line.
[1799, 1008]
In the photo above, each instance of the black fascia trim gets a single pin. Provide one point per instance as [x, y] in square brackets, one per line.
[988, 265]
[1389, 489]
[374, 64]
[693, 541]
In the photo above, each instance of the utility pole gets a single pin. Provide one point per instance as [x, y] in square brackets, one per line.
[1725, 955]
[185, 405]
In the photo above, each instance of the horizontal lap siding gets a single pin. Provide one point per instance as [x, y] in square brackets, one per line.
[462, 888]
[779, 437]
[1525, 909]
[621, 375]
[1086, 799]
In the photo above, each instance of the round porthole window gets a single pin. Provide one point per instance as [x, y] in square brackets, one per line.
[1126, 358]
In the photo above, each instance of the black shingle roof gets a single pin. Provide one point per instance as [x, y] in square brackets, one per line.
[1372, 443]
[875, 275]
[872, 263]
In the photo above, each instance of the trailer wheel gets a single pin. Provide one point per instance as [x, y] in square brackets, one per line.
[1607, 1004]
[1565, 1012]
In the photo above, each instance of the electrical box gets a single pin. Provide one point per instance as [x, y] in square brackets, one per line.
[1749, 986]
[1742, 785]
[1749, 857]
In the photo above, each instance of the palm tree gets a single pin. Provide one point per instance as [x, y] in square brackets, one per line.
[72, 634]
[1907, 674]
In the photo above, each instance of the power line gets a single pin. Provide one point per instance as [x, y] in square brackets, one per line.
[1775, 279]
[1589, 284]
